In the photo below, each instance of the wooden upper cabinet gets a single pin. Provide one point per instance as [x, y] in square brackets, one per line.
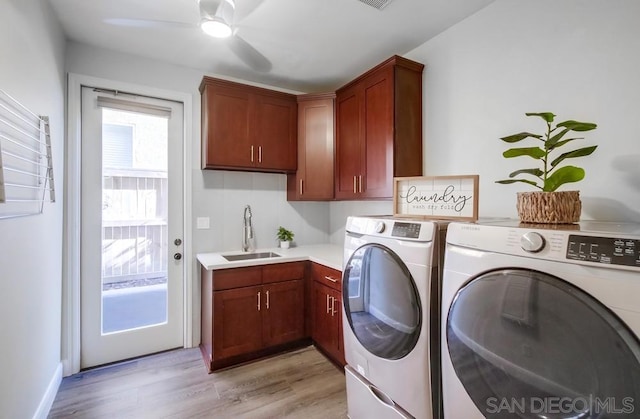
[313, 180]
[275, 132]
[379, 130]
[247, 128]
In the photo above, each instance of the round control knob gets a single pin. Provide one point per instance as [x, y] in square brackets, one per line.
[532, 242]
[379, 227]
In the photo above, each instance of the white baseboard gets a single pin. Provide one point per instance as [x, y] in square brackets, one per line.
[50, 395]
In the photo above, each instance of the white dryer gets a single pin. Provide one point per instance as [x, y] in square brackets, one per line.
[390, 282]
[541, 322]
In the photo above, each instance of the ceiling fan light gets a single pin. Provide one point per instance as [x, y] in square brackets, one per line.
[216, 27]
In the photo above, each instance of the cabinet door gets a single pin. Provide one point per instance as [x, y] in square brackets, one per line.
[237, 321]
[378, 95]
[274, 133]
[283, 312]
[314, 177]
[349, 151]
[226, 141]
[323, 327]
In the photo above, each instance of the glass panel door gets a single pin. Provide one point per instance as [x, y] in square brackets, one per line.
[131, 227]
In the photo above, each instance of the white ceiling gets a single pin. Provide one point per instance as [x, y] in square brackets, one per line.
[312, 45]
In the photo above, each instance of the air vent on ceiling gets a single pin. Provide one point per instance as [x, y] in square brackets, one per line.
[378, 4]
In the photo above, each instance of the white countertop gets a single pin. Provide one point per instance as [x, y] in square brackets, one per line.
[325, 254]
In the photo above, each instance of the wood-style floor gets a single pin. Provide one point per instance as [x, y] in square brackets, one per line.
[300, 384]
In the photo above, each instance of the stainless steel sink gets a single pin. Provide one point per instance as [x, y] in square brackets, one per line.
[247, 256]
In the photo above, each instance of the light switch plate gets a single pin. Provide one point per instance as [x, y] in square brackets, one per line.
[202, 223]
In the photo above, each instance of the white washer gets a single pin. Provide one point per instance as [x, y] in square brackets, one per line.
[541, 322]
[390, 282]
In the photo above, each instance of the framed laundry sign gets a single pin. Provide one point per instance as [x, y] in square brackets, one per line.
[439, 197]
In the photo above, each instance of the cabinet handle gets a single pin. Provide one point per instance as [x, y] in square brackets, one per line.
[260, 154]
[258, 300]
[355, 181]
[330, 279]
[301, 186]
[360, 187]
[267, 300]
[328, 308]
[333, 306]
[251, 154]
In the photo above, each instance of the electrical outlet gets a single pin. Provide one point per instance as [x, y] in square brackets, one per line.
[202, 223]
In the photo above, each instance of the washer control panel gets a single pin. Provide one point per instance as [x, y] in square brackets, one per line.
[616, 251]
[408, 230]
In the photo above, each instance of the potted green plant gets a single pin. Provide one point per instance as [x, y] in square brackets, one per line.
[285, 236]
[548, 205]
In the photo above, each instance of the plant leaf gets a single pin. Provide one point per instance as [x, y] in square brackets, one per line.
[534, 172]
[519, 136]
[577, 126]
[535, 152]
[553, 140]
[547, 116]
[563, 175]
[563, 142]
[581, 152]
[507, 181]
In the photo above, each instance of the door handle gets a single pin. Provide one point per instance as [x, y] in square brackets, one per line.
[177, 256]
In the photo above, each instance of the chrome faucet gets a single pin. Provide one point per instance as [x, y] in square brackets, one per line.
[247, 232]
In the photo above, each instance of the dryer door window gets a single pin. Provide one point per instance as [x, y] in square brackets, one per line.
[381, 302]
[526, 344]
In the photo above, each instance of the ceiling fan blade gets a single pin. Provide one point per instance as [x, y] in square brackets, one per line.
[249, 55]
[144, 23]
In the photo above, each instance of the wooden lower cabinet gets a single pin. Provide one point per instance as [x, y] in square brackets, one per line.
[326, 328]
[248, 313]
[283, 316]
[251, 312]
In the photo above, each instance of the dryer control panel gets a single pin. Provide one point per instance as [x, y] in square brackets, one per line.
[608, 250]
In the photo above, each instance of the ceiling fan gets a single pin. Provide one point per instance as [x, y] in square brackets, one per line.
[217, 19]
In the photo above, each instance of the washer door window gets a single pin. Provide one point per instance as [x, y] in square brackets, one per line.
[381, 302]
[527, 344]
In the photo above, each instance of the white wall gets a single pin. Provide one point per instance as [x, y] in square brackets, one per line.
[578, 59]
[32, 51]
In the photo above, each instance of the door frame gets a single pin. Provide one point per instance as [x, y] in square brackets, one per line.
[70, 328]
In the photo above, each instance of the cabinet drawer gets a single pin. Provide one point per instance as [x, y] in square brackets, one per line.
[327, 276]
[225, 279]
[282, 272]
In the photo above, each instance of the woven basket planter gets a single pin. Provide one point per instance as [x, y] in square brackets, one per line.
[549, 207]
